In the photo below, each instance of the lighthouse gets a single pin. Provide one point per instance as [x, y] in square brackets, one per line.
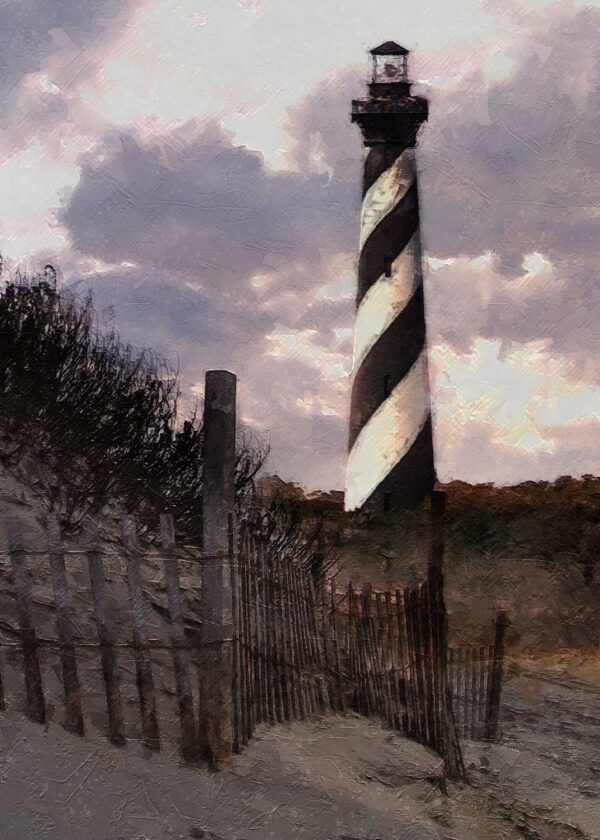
[390, 460]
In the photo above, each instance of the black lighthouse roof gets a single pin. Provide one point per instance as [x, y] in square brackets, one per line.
[389, 48]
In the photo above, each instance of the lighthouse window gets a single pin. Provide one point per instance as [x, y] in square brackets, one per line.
[387, 501]
[386, 385]
[389, 68]
[388, 266]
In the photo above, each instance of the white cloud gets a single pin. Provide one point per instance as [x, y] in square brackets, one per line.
[522, 405]
[219, 255]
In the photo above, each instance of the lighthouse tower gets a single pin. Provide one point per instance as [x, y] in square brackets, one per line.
[390, 461]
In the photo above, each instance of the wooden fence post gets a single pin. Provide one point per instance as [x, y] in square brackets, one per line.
[286, 671]
[495, 679]
[107, 652]
[185, 703]
[143, 668]
[337, 660]
[474, 691]
[391, 628]
[216, 596]
[248, 663]
[236, 662]
[481, 697]
[355, 661]
[407, 683]
[73, 712]
[449, 745]
[36, 707]
[317, 647]
[275, 656]
[242, 633]
[2, 700]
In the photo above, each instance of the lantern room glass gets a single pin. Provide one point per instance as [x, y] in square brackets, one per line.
[389, 68]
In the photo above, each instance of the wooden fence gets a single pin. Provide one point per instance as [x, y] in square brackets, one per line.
[475, 675]
[298, 650]
[110, 631]
[304, 651]
[301, 650]
[280, 671]
[391, 651]
[130, 627]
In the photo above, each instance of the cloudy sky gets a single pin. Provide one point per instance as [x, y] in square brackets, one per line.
[193, 162]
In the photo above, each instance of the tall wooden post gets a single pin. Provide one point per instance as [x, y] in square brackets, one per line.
[495, 679]
[447, 738]
[185, 703]
[143, 667]
[74, 715]
[36, 707]
[110, 671]
[216, 599]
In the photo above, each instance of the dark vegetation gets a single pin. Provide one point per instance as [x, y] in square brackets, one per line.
[85, 419]
[288, 528]
[556, 522]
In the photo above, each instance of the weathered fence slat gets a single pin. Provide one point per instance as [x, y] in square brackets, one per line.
[466, 694]
[235, 642]
[356, 700]
[412, 624]
[384, 665]
[327, 637]
[437, 677]
[425, 632]
[452, 676]
[185, 703]
[372, 659]
[460, 693]
[285, 670]
[259, 693]
[64, 626]
[406, 686]
[36, 706]
[242, 629]
[107, 652]
[317, 649]
[269, 686]
[299, 641]
[292, 609]
[482, 691]
[143, 667]
[306, 659]
[495, 679]
[264, 655]
[474, 693]
[337, 661]
[273, 633]
[364, 662]
[392, 641]
[2, 698]
[375, 652]
[248, 637]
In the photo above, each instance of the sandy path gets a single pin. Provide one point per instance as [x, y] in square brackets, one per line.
[337, 779]
[547, 765]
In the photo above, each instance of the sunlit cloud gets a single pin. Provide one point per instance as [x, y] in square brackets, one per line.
[195, 165]
[518, 400]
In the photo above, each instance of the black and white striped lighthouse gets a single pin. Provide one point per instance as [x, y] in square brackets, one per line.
[390, 461]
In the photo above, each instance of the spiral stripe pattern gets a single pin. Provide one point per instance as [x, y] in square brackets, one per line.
[390, 462]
